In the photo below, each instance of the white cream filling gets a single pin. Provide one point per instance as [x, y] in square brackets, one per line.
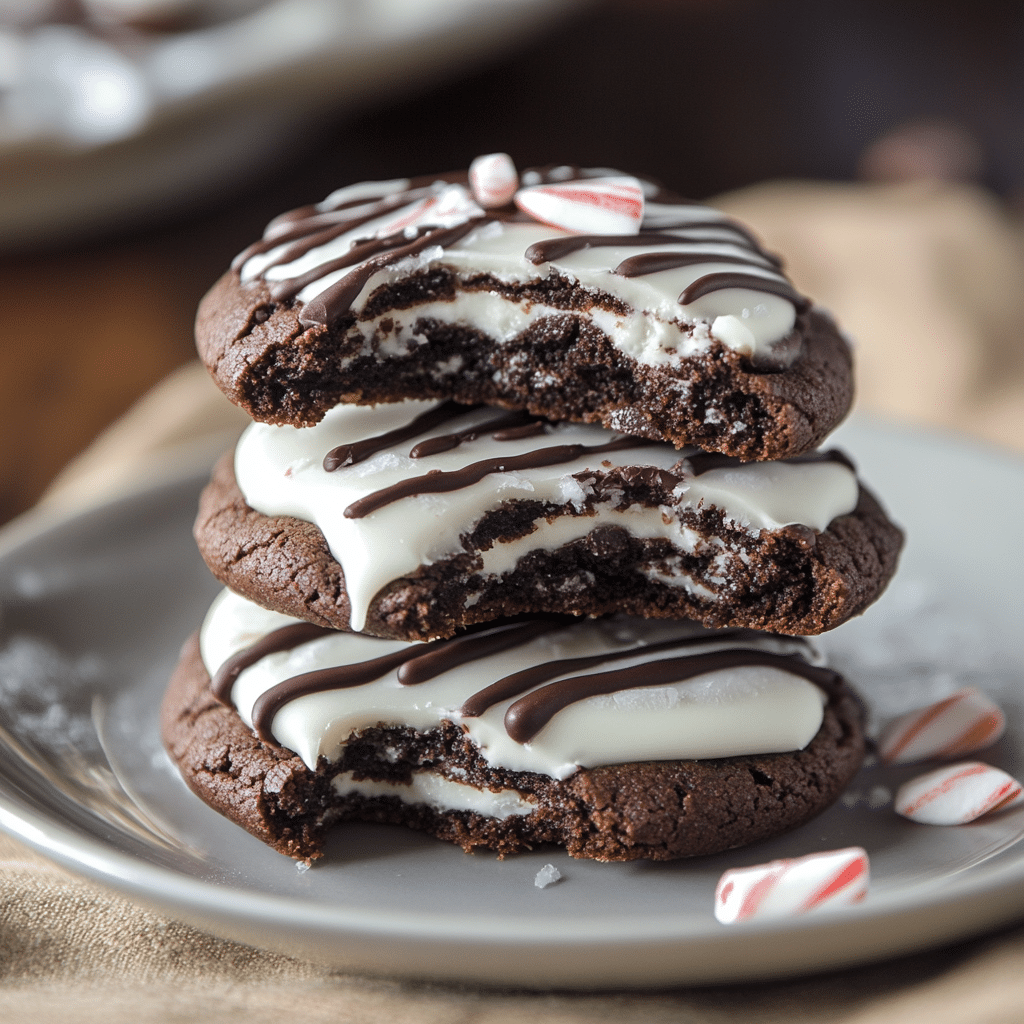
[439, 793]
[746, 710]
[659, 329]
[280, 472]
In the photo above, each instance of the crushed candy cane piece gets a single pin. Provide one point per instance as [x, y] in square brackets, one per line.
[960, 724]
[785, 888]
[604, 206]
[547, 875]
[957, 794]
[450, 207]
[493, 180]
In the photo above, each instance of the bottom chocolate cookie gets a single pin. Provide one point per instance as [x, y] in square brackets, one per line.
[495, 726]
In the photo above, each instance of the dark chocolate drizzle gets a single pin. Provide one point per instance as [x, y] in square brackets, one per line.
[717, 282]
[340, 677]
[422, 662]
[361, 250]
[507, 427]
[440, 482]
[501, 424]
[357, 451]
[654, 262]
[308, 227]
[419, 663]
[519, 682]
[532, 429]
[470, 647]
[283, 639]
[528, 715]
[549, 249]
[315, 229]
[330, 305]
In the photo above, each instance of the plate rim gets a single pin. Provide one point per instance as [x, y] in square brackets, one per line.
[170, 890]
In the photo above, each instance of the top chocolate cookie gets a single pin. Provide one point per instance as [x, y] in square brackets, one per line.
[576, 294]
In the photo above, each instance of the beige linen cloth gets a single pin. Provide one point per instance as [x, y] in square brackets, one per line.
[929, 280]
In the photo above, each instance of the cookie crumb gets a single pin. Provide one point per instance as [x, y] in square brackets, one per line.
[302, 866]
[547, 875]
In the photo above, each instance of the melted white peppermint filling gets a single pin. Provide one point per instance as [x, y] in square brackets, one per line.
[280, 472]
[657, 330]
[440, 793]
[744, 710]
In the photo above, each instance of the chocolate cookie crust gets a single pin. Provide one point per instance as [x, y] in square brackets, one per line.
[561, 367]
[792, 581]
[659, 810]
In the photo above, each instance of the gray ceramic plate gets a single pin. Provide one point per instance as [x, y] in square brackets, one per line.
[93, 611]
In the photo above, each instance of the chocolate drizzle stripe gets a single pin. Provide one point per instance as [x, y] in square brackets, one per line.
[299, 248]
[532, 429]
[549, 249]
[320, 230]
[283, 639]
[419, 663]
[456, 652]
[725, 224]
[446, 442]
[439, 482]
[528, 715]
[333, 303]
[519, 682]
[434, 657]
[301, 230]
[289, 287]
[357, 451]
[654, 262]
[717, 282]
[317, 229]
[301, 213]
[340, 677]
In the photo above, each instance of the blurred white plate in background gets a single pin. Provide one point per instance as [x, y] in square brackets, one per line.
[104, 129]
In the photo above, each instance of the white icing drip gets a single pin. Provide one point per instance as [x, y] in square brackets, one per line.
[658, 330]
[279, 471]
[437, 792]
[736, 711]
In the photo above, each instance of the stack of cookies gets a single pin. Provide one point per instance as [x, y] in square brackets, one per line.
[531, 529]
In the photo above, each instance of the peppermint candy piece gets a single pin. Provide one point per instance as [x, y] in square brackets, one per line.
[493, 180]
[786, 888]
[961, 724]
[957, 794]
[594, 206]
[452, 206]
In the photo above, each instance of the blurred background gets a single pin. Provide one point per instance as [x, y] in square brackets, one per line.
[143, 143]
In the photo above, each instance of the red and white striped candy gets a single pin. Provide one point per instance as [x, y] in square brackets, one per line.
[957, 794]
[785, 888]
[493, 180]
[449, 207]
[958, 725]
[595, 206]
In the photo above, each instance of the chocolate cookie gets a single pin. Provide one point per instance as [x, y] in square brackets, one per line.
[432, 775]
[415, 520]
[594, 297]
